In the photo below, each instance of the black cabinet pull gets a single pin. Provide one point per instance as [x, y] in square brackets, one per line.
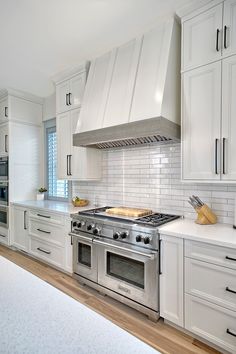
[70, 95]
[225, 37]
[44, 216]
[216, 156]
[6, 143]
[42, 250]
[160, 270]
[67, 100]
[223, 153]
[6, 112]
[70, 173]
[230, 258]
[45, 232]
[67, 165]
[230, 332]
[25, 227]
[229, 290]
[217, 39]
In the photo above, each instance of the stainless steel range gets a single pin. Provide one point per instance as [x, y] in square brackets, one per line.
[119, 256]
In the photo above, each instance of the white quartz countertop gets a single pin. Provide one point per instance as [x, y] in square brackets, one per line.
[38, 318]
[218, 234]
[51, 205]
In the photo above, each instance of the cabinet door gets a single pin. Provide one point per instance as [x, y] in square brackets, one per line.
[77, 85]
[171, 279]
[64, 143]
[19, 236]
[62, 92]
[229, 27]
[4, 140]
[96, 91]
[4, 111]
[122, 84]
[201, 39]
[201, 123]
[229, 118]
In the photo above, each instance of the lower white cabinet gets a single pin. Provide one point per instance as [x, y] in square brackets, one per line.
[19, 230]
[171, 280]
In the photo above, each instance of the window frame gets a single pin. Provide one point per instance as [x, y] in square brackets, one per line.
[50, 124]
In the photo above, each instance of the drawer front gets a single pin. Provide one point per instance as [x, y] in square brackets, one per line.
[212, 322]
[209, 253]
[48, 252]
[211, 282]
[48, 232]
[4, 238]
[46, 216]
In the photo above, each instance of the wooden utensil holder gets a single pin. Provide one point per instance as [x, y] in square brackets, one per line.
[205, 216]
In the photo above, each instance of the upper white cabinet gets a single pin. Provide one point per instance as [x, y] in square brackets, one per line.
[122, 84]
[202, 38]
[171, 280]
[209, 35]
[136, 81]
[4, 140]
[201, 122]
[75, 162]
[69, 92]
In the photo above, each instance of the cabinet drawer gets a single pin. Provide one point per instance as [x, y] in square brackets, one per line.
[212, 254]
[212, 322]
[4, 236]
[211, 282]
[48, 232]
[48, 252]
[46, 216]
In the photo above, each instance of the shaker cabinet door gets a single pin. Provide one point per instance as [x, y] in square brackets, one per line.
[64, 143]
[229, 27]
[201, 123]
[77, 85]
[62, 96]
[202, 38]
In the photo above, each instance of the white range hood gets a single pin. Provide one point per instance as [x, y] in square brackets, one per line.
[132, 95]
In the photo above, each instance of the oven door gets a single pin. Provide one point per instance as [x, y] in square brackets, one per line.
[84, 257]
[3, 193]
[129, 271]
[3, 168]
[4, 215]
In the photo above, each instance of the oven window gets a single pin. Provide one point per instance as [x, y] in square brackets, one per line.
[4, 168]
[3, 217]
[3, 194]
[127, 269]
[84, 254]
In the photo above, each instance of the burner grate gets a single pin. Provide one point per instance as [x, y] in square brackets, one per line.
[156, 219]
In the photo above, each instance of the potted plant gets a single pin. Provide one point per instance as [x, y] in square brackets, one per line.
[41, 192]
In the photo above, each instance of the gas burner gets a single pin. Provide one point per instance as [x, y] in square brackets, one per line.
[156, 219]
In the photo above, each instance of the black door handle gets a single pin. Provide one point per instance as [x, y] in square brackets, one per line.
[230, 290]
[6, 148]
[70, 95]
[225, 37]
[230, 258]
[160, 270]
[45, 232]
[25, 227]
[67, 165]
[6, 112]
[230, 332]
[70, 173]
[223, 153]
[216, 156]
[67, 99]
[217, 39]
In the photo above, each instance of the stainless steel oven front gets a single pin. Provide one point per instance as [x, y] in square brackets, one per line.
[130, 271]
[4, 168]
[3, 193]
[4, 216]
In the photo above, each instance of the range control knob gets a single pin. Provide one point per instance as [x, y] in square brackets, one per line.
[138, 238]
[96, 231]
[74, 223]
[90, 227]
[146, 240]
[124, 234]
[116, 235]
[78, 224]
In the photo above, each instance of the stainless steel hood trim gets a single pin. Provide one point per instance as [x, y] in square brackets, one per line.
[146, 131]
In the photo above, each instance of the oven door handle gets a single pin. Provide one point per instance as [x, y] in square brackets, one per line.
[150, 256]
[84, 238]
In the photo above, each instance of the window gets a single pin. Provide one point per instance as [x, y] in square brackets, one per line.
[57, 189]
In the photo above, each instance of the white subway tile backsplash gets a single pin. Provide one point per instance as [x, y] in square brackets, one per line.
[149, 176]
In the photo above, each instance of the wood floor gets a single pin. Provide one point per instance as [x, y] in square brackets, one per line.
[159, 335]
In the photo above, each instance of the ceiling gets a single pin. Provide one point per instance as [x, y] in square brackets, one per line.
[39, 38]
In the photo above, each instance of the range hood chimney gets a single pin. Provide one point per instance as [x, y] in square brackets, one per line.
[154, 107]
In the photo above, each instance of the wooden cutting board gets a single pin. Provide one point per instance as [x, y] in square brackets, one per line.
[132, 212]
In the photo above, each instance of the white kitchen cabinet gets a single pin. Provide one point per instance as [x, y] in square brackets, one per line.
[4, 139]
[19, 229]
[201, 123]
[122, 84]
[171, 280]
[229, 27]
[4, 111]
[96, 92]
[75, 162]
[228, 119]
[202, 38]
[69, 93]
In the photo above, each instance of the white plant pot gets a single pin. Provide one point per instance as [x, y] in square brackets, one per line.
[40, 196]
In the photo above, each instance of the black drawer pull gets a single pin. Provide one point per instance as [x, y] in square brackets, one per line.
[42, 250]
[230, 258]
[2, 235]
[44, 216]
[45, 232]
[229, 290]
[230, 332]
[217, 39]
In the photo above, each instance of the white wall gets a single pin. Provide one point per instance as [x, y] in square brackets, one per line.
[49, 107]
[150, 177]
